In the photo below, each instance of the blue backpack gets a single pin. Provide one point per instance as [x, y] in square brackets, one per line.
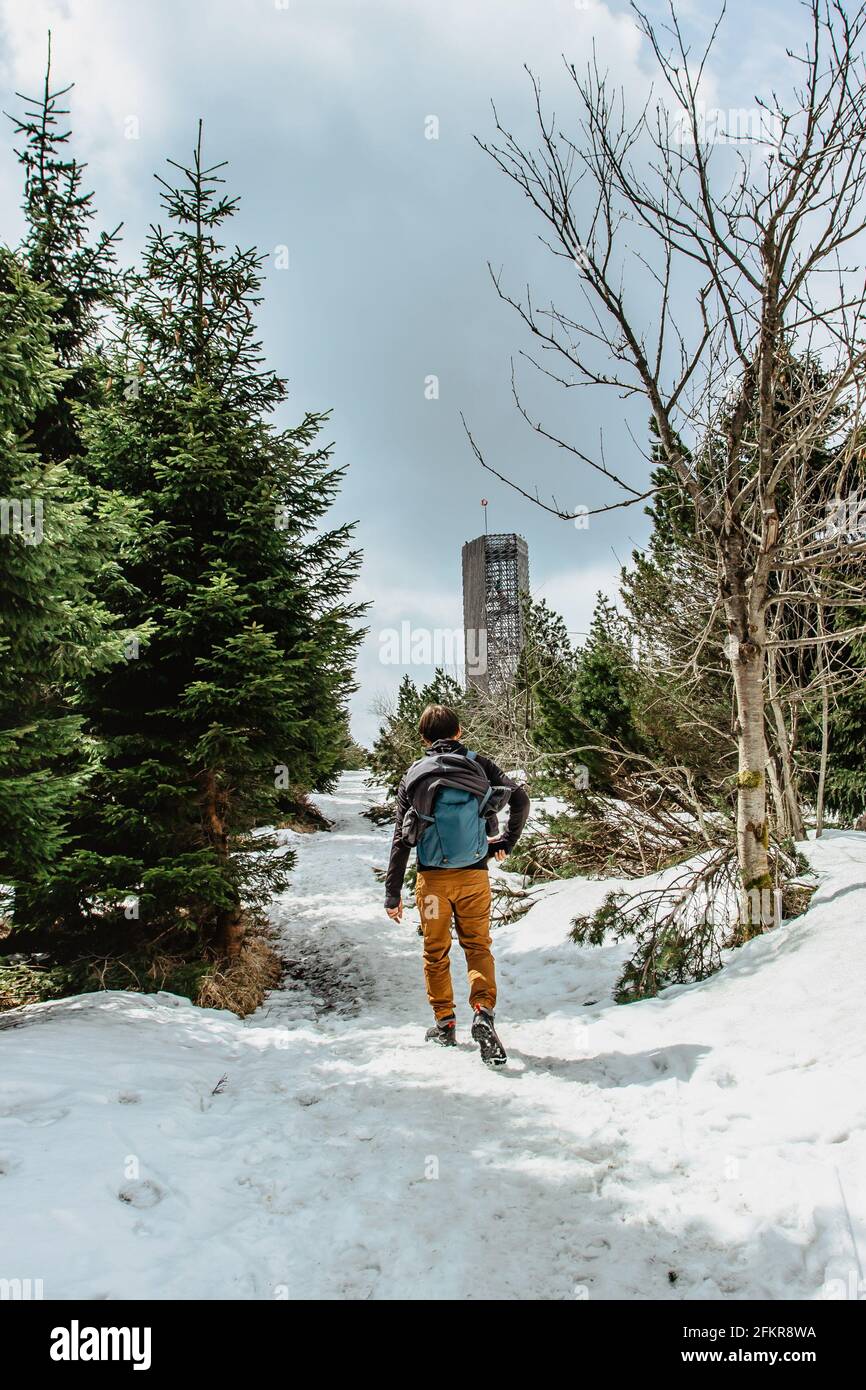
[452, 832]
[455, 836]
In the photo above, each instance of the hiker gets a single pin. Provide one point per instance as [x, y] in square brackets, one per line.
[447, 805]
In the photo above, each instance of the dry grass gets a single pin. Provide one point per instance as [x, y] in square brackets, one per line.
[303, 816]
[240, 985]
[796, 897]
[18, 988]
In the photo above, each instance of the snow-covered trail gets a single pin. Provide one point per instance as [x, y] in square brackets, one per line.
[708, 1143]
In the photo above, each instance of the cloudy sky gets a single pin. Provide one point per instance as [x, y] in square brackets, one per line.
[323, 109]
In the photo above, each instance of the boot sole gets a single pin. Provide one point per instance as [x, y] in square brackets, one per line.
[493, 1054]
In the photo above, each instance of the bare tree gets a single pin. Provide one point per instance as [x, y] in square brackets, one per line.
[752, 235]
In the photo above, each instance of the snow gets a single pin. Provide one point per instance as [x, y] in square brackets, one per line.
[150, 1149]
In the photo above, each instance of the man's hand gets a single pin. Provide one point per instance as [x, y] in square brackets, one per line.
[396, 913]
[498, 854]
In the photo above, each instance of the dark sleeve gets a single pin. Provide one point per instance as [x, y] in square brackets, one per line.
[518, 805]
[399, 852]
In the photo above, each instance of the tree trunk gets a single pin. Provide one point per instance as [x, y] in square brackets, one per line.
[776, 789]
[822, 774]
[230, 932]
[825, 728]
[792, 822]
[753, 836]
[229, 926]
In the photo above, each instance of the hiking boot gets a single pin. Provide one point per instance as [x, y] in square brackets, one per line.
[484, 1033]
[444, 1032]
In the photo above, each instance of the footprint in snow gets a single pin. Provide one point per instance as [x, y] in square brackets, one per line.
[128, 1098]
[141, 1194]
[44, 1117]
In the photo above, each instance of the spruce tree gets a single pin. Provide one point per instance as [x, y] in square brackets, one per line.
[594, 710]
[548, 661]
[240, 691]
[53, 631]
[64, 253]
[845, 792]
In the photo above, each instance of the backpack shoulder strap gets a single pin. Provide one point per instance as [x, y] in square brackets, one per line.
[484, 799]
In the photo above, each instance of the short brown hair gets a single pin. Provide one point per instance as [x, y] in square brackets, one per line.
[438, 721]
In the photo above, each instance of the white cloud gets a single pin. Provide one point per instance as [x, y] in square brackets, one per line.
[572, 593]
[112, 59]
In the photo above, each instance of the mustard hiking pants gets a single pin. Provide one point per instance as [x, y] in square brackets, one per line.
[461, 896]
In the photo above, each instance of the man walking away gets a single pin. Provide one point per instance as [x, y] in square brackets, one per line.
[447, 806]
